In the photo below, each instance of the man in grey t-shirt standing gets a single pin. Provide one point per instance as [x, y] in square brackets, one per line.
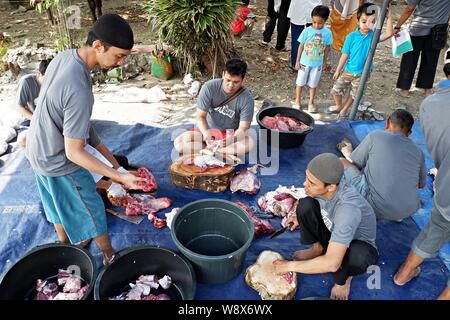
[216, 120]
[387, 168]
[59, 131]
[434, 118]
[339, 224]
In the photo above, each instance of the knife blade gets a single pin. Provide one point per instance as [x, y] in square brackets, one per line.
[278, 232]
[121, 215]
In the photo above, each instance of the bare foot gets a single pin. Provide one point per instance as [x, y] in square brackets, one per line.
[403, 276]
[404, 93]
[427, 92]
[207, 152]
[308, 254]
[341, 292]
[445, 295]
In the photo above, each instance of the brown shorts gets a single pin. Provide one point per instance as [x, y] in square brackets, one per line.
[345, 80]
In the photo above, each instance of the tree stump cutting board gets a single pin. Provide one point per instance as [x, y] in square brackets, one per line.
[192, 177]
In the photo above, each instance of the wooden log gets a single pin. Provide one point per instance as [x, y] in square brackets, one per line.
[192, 177]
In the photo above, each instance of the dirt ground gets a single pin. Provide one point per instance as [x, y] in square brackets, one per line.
[269, 75]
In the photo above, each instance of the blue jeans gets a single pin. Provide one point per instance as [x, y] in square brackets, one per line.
[296, 30]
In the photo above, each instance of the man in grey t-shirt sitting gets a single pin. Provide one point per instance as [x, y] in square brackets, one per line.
[388, 168]
[339, 224]
[216, 120]
[27, 92]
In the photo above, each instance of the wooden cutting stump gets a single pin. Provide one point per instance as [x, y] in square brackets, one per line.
[191, 177]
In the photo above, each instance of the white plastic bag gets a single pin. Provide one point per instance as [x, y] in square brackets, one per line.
[155, 94]
[3, 147]
[7, 134]
[195, 88]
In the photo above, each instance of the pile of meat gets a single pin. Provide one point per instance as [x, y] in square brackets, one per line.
[261, 226]
[204, 162]
[67, 287]
[284, 123]
[137, 204]
[141, 289]
[246, 180]
[282, 201]
[147, 204]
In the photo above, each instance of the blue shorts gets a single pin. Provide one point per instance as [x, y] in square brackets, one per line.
[357, 179]
[72, 201]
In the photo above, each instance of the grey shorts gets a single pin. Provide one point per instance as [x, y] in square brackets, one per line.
[309, 76]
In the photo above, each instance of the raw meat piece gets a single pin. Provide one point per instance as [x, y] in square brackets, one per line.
[72, 285]
[66, 296]
[143, 286]
[261, 277]
[151, 280]
[246, 180]
[204, 162]
[261, 226]
[283, 123]
[145, 204]
[158, 223]
[150, 184]
[150, 297]
[135, 293]
[281, 201]
[82, 292]
[165, 282]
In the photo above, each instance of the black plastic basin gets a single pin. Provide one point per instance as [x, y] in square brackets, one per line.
[289, 139]
[146, 260]
[43, 262]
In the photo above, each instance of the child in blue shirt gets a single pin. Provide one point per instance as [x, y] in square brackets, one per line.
[354, 55]
[315, 42]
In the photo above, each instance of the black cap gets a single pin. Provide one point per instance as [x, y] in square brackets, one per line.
[113, 30]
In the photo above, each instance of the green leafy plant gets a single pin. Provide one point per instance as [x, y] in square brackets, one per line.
[65, 40]
[196, 30]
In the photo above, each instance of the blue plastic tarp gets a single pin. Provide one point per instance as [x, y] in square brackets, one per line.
[23, 224]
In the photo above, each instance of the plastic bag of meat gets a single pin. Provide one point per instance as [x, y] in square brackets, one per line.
[150, 184]
[261, 226]
[281, 201]
[246, 180]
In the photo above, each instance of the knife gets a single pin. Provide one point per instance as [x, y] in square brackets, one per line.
[278, 232]
[121, 215]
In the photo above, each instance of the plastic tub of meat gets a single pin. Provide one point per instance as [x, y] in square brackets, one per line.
[131, 263]
[286, 139]
[44, 262]
[214, 235]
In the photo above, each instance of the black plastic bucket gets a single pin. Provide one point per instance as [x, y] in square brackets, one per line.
[43, 262]
[289, 139]
[214, 235]
[133, 262]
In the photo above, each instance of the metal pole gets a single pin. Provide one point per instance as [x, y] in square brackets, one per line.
[373, 47]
